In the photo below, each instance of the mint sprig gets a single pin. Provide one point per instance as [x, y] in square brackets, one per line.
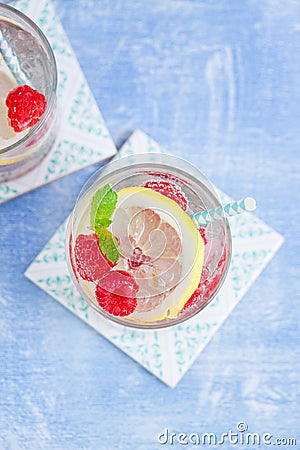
[103, 205]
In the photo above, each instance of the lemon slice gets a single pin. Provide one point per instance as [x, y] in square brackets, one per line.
[175, 223]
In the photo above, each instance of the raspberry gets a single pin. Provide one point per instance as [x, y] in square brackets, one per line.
[194, 297]
[212, 284]
[166, 176]
[168, 190]
[25, 107]
[203, 235]
[138, 258]
[116, 293]
[206, 288]
[91, 264]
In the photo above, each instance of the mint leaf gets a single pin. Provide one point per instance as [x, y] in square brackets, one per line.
[103, 205]
[102, 223]
[108, 245]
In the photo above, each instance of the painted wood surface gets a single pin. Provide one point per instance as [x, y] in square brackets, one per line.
[216, 82]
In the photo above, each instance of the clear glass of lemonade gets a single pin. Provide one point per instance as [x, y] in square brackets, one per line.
[133, 249]
[22, 151]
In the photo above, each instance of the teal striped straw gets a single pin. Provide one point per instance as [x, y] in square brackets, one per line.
[228, 210]
[12, 61]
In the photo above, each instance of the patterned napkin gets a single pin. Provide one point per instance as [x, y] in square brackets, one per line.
[167, 353]
[83, 138]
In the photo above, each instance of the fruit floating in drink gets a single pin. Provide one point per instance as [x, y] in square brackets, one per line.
[133, 248]
[28, 79]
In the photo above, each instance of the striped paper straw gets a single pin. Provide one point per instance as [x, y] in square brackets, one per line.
[228, 210]
[12, 61]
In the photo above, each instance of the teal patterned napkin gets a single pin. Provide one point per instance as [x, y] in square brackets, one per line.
[167, 353]
[83, 138]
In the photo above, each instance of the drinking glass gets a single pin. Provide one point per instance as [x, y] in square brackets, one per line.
[21, 152]
[193, 192]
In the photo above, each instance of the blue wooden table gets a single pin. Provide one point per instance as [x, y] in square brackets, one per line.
[216, 82]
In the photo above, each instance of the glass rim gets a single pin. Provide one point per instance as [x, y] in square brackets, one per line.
[165, 323]
[52, 99]
[113, 163]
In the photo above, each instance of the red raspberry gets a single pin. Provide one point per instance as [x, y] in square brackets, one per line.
[116, 293]
[208, 286]
[194, 297]
[91, 264]
[25, 107]
[166, 176]
[203, 235]
[169, 190]
[138, 258]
